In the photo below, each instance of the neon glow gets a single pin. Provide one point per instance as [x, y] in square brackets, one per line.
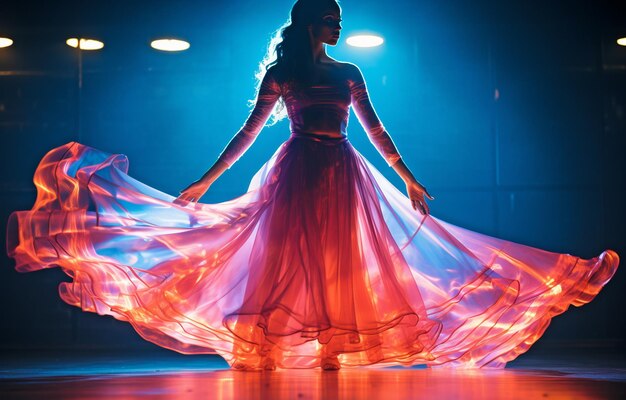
[322, 258]
[85, 44]
[170, 44]
[364, 40]
[175, 271]
[5, 42]
[621, 41]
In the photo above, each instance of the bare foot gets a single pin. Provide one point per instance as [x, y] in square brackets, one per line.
[241, 366]
[268, 364]
[330, 363]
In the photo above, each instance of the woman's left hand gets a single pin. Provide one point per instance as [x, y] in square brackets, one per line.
[416, 192]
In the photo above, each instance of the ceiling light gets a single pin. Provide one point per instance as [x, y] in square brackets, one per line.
[364, 40]
[5, 42]
[169, 44]
[85, 44]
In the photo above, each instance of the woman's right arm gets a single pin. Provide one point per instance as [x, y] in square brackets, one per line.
[269, 92]
[268, 95]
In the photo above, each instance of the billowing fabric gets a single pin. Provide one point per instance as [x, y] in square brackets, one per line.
[321, 254]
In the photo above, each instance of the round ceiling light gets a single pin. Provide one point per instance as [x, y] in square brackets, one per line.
[364, 40]
[85, 44]
[5, 42]
[169, 44]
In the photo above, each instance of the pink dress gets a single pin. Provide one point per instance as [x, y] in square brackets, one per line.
[321, 254]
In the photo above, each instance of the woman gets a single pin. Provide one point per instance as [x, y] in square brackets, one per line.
[319, 24]
[321, 263]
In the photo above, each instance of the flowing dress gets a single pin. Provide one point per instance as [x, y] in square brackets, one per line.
[321, 255]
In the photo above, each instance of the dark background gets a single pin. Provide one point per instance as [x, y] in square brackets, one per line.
[542, 163]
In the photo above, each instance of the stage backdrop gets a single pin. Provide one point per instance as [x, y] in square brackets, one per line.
[513, 116]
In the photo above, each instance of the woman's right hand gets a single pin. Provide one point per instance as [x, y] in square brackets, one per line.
[194, 191]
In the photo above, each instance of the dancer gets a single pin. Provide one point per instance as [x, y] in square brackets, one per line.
[321, 263]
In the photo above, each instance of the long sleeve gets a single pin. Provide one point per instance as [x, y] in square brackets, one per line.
[268, 94]
[366, 115]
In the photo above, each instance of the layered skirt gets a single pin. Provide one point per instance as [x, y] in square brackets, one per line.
[321, 255]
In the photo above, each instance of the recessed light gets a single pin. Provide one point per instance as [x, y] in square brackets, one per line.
[5, 42]
[169, 44]
[85, 44]
[364, 40]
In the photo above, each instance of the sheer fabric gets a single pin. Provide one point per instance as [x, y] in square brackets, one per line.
[321, 254]
[322, 109]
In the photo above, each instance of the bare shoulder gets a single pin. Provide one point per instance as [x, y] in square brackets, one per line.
[348, 64]
[352, 71]
[275, 74]
[273, 71]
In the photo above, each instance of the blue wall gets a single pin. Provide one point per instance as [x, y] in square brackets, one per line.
[542, 164]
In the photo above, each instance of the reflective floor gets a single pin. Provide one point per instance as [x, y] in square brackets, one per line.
[566, 374]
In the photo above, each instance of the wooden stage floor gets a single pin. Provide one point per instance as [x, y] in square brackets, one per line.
[560, 374]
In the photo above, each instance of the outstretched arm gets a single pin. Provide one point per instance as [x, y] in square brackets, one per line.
[368, 118]
[380, 138]
[269, 92]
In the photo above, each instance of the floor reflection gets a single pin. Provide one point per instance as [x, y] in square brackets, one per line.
[108, 377]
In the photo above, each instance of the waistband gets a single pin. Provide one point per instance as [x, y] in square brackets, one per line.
[319, 138]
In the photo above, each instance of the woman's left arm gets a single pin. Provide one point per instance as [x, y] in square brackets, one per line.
[380, 138]
[368, 118]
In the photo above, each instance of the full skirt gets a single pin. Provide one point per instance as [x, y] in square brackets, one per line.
[321, 256]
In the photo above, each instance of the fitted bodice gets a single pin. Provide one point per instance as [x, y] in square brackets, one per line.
[320, 109]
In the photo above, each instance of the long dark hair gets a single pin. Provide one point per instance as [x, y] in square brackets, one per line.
[290, 49]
